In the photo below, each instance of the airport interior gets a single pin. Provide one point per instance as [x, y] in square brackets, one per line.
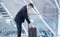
[44, 17]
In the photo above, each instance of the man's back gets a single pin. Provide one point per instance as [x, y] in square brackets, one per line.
[22, 15]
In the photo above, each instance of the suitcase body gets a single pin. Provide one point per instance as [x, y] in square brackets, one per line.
[32, 32]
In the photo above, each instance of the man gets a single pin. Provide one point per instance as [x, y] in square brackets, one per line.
[21, 16]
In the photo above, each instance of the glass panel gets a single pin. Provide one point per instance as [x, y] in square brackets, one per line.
[52, 2]
[45, 6]
[51, 20]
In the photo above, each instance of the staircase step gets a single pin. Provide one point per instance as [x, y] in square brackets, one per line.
[5, 13]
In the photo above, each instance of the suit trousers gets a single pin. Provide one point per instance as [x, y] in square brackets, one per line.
[19, 29]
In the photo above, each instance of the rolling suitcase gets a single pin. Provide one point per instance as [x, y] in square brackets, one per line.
[32, 32]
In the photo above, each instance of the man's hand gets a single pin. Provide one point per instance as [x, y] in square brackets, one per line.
[30, 25]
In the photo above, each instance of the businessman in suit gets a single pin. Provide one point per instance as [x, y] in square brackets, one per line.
[21, 16]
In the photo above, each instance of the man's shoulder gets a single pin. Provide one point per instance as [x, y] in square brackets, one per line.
[24, 7]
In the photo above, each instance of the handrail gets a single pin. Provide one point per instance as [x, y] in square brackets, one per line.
[56, 4]
[6, 10]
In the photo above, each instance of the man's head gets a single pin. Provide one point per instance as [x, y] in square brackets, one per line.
[30, 6]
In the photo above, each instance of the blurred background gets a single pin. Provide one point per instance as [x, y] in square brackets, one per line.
[44, 17]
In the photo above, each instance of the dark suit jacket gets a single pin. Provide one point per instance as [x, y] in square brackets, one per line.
[22, 15]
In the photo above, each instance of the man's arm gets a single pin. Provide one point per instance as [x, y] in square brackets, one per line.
[27, 19]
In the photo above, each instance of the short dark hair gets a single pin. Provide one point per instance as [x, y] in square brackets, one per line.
[30, 4]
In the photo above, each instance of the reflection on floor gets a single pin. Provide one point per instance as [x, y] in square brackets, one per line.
[13, 36]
